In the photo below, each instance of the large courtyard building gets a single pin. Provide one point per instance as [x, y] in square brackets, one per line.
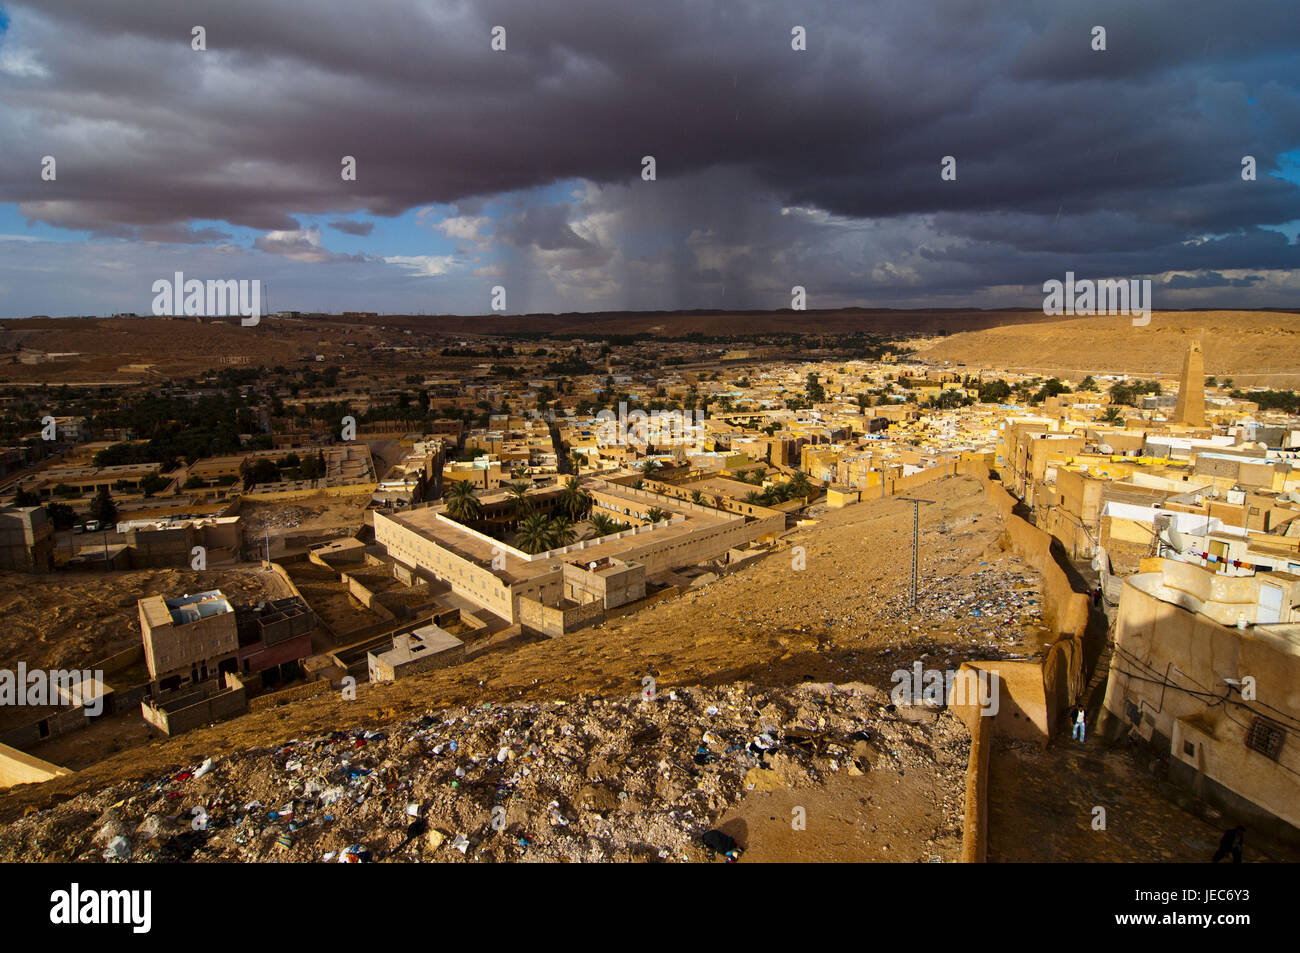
[561, 589]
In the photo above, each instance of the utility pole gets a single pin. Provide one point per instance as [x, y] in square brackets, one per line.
[916, 541]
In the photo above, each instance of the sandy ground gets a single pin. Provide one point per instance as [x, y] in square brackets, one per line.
[895, 816]
[74, 619]
[1253, 348]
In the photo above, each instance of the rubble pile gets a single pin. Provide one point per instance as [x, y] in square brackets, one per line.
[594, 779]
[997, 606]
[288, 516]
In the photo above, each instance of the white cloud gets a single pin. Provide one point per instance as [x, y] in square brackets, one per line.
[425, 265]
[464, 227]
[303, 244]
[22, 63]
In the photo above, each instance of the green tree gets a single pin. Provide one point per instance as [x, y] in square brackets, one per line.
[816, 393]
[103, 508]
[561, 531]
[61, 515]
[655, 515]
[574, 500]
[602, 525]
[534, 533]
[152, 483]
[462, 504]
[518, 493]
[994, 392]
[1050, 389]
[26, 498]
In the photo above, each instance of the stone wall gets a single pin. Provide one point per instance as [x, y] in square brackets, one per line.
[1065, 668]
[555, 621]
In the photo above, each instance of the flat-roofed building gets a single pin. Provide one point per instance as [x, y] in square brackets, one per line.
[26, 539]
[1204, 670]
[423, 650]
[188, 639]
[497, 576]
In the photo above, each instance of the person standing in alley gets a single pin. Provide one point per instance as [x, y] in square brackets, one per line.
[1232, 842]
[1078, 731]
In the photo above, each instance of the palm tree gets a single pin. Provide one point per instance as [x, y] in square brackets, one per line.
[754, 497]
[461, 503]
[561, 531]
[534, 533]
[649, 467]
[1113, 415]
[697, 496]
[602, 525]
[800, 486]
[518, 491]
[655, 515]
[574, 500]
[575, 462]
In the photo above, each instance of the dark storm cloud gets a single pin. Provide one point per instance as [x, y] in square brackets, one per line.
[352, 228]
[545, 227]
[1120, 157]
[1211, 280]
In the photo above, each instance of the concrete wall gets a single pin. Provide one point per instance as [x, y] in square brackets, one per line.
[18, 767]
[188, 708]
[975, 823]
[1065, 668]
[286, 695]
[1021, 700]
[612, 586]
[553, 621]
[466, 577]
[55, 721]
[283, 496]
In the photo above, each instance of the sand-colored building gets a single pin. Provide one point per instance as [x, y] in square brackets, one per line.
[607, 571]
[1206, 670]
